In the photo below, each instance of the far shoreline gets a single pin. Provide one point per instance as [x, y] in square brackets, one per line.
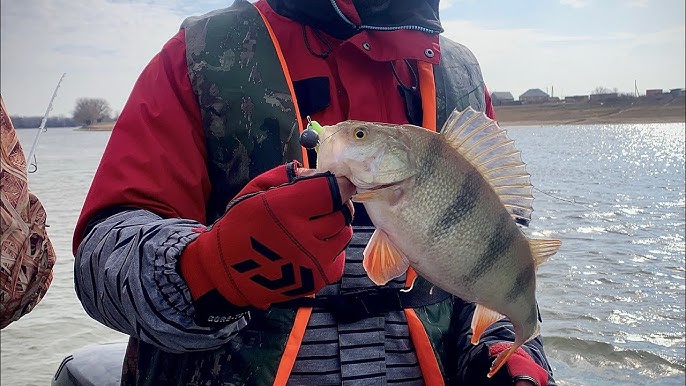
[102, 126]
[585, 114]
[558, 114]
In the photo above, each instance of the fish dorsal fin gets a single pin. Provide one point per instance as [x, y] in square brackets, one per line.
[542, 249]
[487, 147]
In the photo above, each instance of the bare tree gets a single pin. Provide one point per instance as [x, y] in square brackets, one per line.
[91, 110]
[603, 90]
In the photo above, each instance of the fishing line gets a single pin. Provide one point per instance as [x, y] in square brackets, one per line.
[332, 134]
[588, 206]
[571, 201]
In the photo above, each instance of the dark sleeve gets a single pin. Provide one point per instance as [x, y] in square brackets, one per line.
[126, 278]
[474, 361]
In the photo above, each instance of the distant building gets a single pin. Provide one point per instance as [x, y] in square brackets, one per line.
[576, 99]
[677, 92]
[502, 98]
[654, 92]
[534, 95]
[602, 98]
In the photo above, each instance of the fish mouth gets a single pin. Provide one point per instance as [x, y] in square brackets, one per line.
[379, 187]
[363, 188]
[390, 192]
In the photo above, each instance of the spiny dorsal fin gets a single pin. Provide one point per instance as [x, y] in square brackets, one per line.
[486, 146]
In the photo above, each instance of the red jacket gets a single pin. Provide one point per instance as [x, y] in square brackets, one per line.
[162, 101]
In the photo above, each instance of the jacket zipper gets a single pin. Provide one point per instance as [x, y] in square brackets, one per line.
[376, 28]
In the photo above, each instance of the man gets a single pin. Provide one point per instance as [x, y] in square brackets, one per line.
[207, 137]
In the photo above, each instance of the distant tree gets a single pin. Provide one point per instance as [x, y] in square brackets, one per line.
[91, 110]
[21, 122]
[627, 95]
[603, 90]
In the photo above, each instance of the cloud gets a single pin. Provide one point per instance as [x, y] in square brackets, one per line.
[101, 45]
[576, 3]
[445, 4]
[637, 3]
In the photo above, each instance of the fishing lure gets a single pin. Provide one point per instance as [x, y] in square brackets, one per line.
[309, 138]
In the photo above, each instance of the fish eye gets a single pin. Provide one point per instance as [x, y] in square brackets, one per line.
[360, 133]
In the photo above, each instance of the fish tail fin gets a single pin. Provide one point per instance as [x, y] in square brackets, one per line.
[542, 249]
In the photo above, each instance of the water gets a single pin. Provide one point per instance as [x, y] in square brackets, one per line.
[612, 299]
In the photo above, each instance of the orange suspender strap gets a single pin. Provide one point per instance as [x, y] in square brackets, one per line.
[428, 363]
[302, 316]
[289, 81]
[427, 90]
[295, 338]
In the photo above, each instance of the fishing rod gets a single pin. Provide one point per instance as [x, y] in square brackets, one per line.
[33, 165]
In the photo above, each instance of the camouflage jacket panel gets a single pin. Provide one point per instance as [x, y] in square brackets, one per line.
[248, 113]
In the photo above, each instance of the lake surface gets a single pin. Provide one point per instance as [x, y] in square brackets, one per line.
[612, 298]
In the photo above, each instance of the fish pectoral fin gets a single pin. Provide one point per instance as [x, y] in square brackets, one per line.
[542, 249]
[383, 261]
[483, 317]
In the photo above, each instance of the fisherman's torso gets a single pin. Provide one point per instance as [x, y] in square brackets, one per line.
[250, 126]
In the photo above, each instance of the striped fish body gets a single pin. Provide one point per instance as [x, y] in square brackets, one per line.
[446, 205]
[456, 233]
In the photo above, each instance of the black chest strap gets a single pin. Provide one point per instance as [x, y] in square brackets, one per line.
[352, 306]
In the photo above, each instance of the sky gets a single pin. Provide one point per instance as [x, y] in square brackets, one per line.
[563, 47]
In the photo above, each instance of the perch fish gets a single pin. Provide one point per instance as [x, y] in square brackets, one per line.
[448, 205]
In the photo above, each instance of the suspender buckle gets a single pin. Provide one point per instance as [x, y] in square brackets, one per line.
[356, 305]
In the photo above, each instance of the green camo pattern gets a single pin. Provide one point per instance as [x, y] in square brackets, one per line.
[247, 109]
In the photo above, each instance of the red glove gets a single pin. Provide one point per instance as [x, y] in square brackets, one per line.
[520, 365]
[281, 238]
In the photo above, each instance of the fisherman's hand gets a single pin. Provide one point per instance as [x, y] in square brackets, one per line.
[520, 369]
[282, 237]
[520, 366]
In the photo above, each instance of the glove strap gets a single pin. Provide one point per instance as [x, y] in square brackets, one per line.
[212, 310]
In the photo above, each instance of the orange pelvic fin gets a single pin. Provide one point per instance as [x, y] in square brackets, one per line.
[483, 317]
[383, 261]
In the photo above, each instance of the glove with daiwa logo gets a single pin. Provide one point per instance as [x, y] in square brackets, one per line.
[282, 237]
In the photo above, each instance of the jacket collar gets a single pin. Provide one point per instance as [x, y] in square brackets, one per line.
[343, 19]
